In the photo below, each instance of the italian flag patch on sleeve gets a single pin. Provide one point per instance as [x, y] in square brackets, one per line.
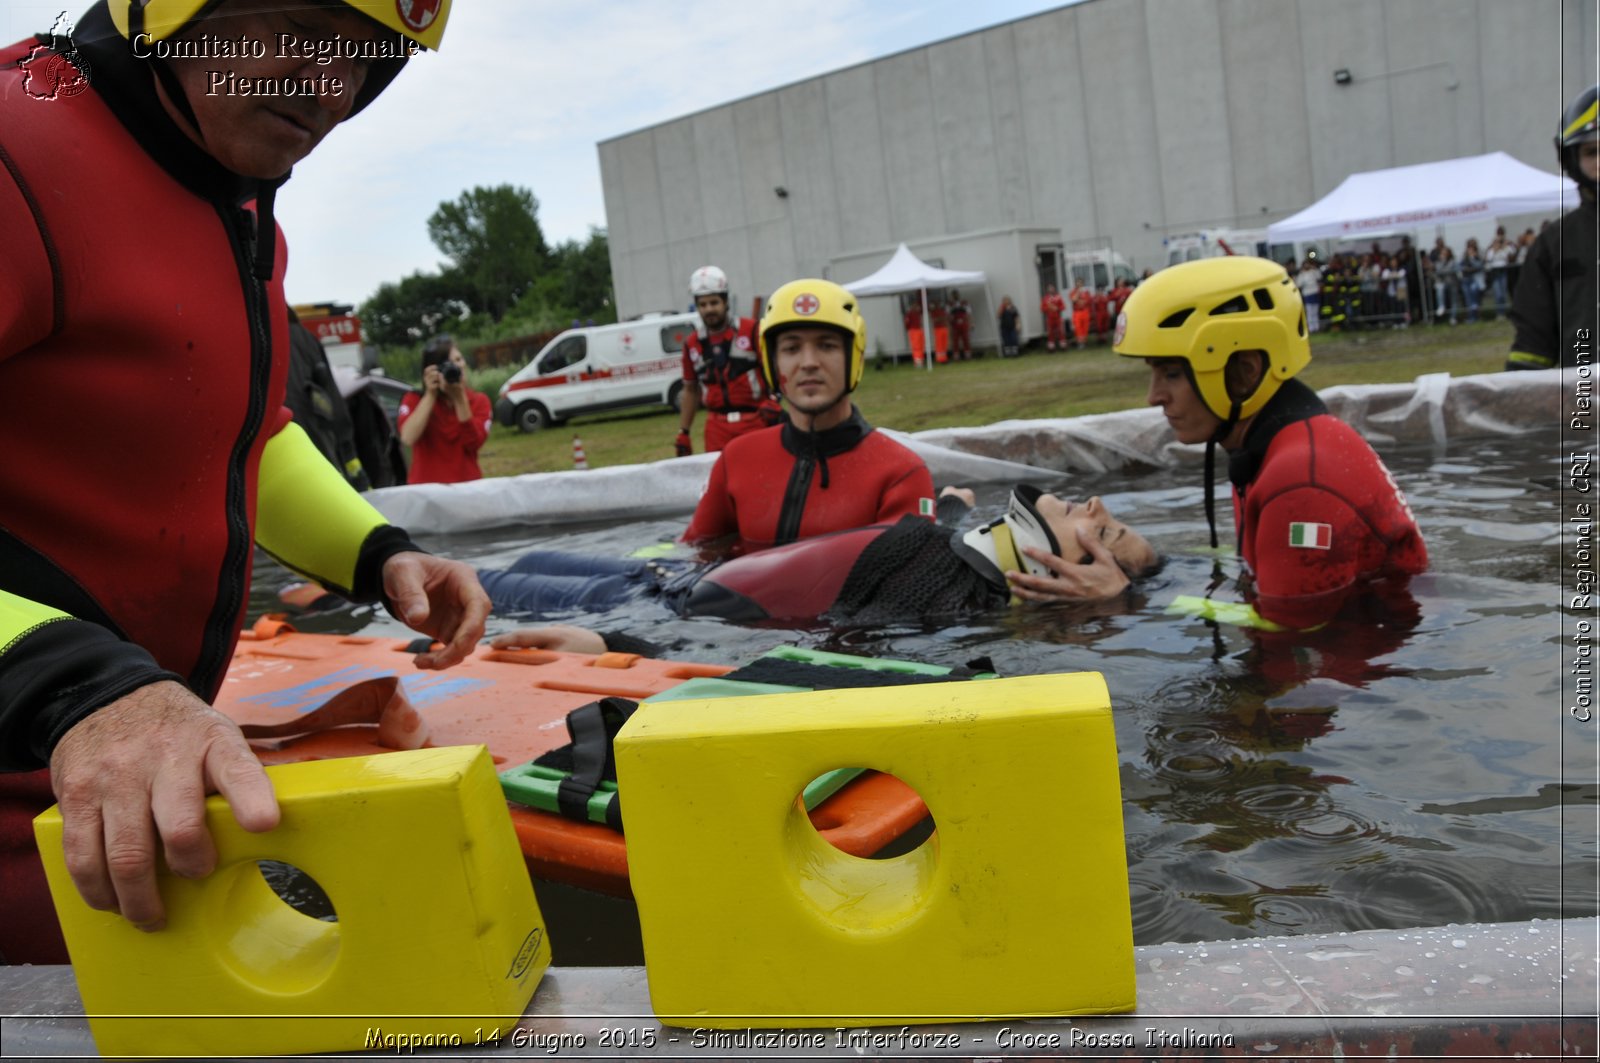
[926, 507]
[1311, 536]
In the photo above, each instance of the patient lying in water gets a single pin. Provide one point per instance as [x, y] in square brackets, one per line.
[1043, 548]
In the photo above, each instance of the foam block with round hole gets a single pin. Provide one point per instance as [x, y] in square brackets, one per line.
[437, 933]
[1016, 906]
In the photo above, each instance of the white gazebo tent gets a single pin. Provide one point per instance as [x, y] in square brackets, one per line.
[1405, 198]
[905, 272]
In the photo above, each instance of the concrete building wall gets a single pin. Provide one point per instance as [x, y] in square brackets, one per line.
[1115, 121]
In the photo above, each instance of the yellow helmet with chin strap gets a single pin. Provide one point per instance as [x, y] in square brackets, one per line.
[1204, 311]
[814, 303]
[422, 21]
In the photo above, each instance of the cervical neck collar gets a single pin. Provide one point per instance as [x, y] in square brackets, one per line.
[1000, 542]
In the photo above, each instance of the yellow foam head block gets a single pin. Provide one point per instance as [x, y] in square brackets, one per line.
[1017, 906]
[438, 932]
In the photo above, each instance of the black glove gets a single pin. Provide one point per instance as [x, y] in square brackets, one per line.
[683, 444]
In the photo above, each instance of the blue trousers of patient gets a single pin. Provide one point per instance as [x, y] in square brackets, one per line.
[550, 581]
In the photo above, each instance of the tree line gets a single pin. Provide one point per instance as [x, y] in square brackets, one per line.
[502, 278]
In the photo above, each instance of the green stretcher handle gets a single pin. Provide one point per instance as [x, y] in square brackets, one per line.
[536, 786]
[1236, 613]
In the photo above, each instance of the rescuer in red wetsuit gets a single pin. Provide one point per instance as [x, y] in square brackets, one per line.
[1319, 519]
[720, 371]
[825, 468]
[144, 292]
[1053, 307]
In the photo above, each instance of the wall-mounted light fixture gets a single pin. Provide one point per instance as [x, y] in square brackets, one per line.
[781, 192]
[1342, 76]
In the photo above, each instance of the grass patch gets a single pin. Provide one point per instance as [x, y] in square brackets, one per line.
[991, 389]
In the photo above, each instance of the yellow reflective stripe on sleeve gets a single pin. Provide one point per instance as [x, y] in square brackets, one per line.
[18, 616]
[307, 516]
[1237, 613]
[1539, 361]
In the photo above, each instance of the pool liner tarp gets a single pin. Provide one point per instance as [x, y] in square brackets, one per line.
[668, 488]
[1433, 409]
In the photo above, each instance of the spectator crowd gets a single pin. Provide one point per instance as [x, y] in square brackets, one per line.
[1399, 287]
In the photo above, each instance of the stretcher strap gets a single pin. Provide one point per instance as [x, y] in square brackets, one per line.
[592, 728]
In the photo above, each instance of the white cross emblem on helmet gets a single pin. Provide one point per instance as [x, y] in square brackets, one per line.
[418, 14]
[806, 304]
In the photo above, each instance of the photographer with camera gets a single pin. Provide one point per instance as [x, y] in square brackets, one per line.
[444, 442]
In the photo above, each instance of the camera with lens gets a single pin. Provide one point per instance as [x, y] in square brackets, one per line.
[451, 372]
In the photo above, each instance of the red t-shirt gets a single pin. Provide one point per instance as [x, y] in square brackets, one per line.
[447, 450]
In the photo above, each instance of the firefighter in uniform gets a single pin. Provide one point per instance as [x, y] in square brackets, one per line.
[720, 371]
[1553, 306]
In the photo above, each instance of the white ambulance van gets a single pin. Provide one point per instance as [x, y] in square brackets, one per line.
[602, 367]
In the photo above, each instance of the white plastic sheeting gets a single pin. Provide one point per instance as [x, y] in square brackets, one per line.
[624, 492]
[1433, 409]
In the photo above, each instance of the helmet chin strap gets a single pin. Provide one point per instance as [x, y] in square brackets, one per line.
[1217, 437]
[176, 97]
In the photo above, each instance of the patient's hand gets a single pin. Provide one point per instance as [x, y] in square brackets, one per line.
[1094, 580]
[564, 638]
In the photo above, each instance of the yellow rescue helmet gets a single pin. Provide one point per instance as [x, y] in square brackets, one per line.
[814, 303]
[422, 21]
[1204, 311]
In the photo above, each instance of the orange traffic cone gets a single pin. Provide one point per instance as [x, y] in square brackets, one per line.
[579, 460]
